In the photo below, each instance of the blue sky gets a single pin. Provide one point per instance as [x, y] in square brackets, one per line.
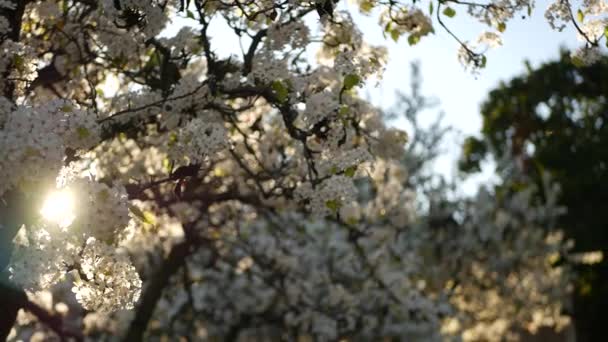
[460, 93]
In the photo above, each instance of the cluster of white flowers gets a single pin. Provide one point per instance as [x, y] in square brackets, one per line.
[17, 61]
[78, 128]
[331, 285]
[586, 55]
[593, 29]
[188, 96]
[40, 257]
[33, 141]
[320, 106]
[121, 159]
[109, 281]
[595, 7]
[471, 55]
[296, 34]
[329, 196]
[344, 161]
[267, 67]
[390, 200]
[340, 32]
[44, 254]
[199, 140]
[361, 63]
[499, 12]
[491, 39]
[103, 210]
[413, 22]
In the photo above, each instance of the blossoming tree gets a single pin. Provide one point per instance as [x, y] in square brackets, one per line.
[254, 196]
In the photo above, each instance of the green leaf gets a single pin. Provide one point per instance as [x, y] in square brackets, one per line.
[189, 14]
[344, 110]
[431, 8]
[449, 12]
[104, 195]
[18, 62]
[388, 26]
[167, 165]
[350, 172]
[149, 217]
[413, 39]
[333, 205]
[153, 61]
[580, 16]
[144, 215]
[136, 211]
[82, 132]
[66, 108]
[579, 63]
[502, 27]
[366, 6]
[280, 90]
[395, 34]
[350, 81]
[484, 61]
[172, 139]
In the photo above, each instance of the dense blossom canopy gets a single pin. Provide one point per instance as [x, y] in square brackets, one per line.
[254, 195]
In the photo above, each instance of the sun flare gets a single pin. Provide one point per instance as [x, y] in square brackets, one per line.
[58, 207]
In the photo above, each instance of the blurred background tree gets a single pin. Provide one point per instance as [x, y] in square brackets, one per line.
[554, 119]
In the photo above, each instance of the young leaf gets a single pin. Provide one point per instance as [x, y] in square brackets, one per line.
[366, 6]
[449, 12]
[280, 90]
[578, 62]
[333, 205]
[350, 81]
[82, 132]
[395, 35]
[350, 172]
[413, 39]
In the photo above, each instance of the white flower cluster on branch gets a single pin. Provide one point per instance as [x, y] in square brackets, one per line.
[109, 281]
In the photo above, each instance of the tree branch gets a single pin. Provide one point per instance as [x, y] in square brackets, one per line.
[153, 292]
[13, 299]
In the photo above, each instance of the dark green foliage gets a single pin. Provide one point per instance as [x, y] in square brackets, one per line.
[555, 119]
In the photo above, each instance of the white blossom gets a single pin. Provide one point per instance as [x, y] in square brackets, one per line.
[109, 281]
[586, 55]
